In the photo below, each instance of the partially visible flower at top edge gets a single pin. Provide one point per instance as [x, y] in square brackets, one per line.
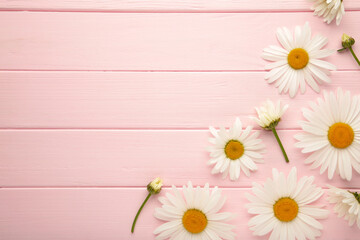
[347, 42]
[269, 116]
[329, 10]
[154, 187]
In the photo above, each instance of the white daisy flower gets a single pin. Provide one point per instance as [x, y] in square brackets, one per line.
[347, 204]
[235, 150]
[298, 61]
[332, 134]
[282, 207]
[195, 216]
[269, 117]
[329, 10]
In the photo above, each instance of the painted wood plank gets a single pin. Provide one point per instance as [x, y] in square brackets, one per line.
[107, 214]
[153, 41]
[164, 5]
[145, 100]
[132, 158]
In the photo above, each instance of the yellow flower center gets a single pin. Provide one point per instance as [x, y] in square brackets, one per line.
[234, 149]
[194, 221]
[341, 135]
[298, 58]
[286, 209]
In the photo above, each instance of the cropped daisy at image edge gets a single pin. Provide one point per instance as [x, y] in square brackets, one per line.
[194, 214]
[329, 10]
[347, 204]
[331, 134]
[284, 207]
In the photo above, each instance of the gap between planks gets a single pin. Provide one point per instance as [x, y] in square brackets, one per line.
[161, 11]
[154, 71]
[136, 129]
[165, 187]
[211, 41]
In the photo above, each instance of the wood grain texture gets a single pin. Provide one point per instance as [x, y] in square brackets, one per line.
[99, 97]
[92, 214]
[164, 5]
[153, 41]
[75, 158]
[145, 100]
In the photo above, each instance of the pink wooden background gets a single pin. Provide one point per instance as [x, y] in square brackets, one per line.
[100, 96]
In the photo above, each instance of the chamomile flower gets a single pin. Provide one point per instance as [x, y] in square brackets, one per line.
[329, 10]
[298, 61]
[193, 215]
[332, 134]
[347, 204]
[235, 150]
[283, 207]
[269, 116]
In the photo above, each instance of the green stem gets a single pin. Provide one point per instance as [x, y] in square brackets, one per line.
[342, 49]
[138, 213]
[280, 144]
[354, 55]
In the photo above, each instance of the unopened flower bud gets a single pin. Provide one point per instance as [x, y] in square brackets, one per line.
[155, 186]
[347, 41]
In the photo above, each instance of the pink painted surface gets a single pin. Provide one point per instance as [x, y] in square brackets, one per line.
[146, 41]
[165, 5]
[94, 214]
[98, 97]
[181, 100]
[131, 157]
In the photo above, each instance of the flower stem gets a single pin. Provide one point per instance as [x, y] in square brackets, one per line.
[138, 213]
[354, 55]
[280, 144]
